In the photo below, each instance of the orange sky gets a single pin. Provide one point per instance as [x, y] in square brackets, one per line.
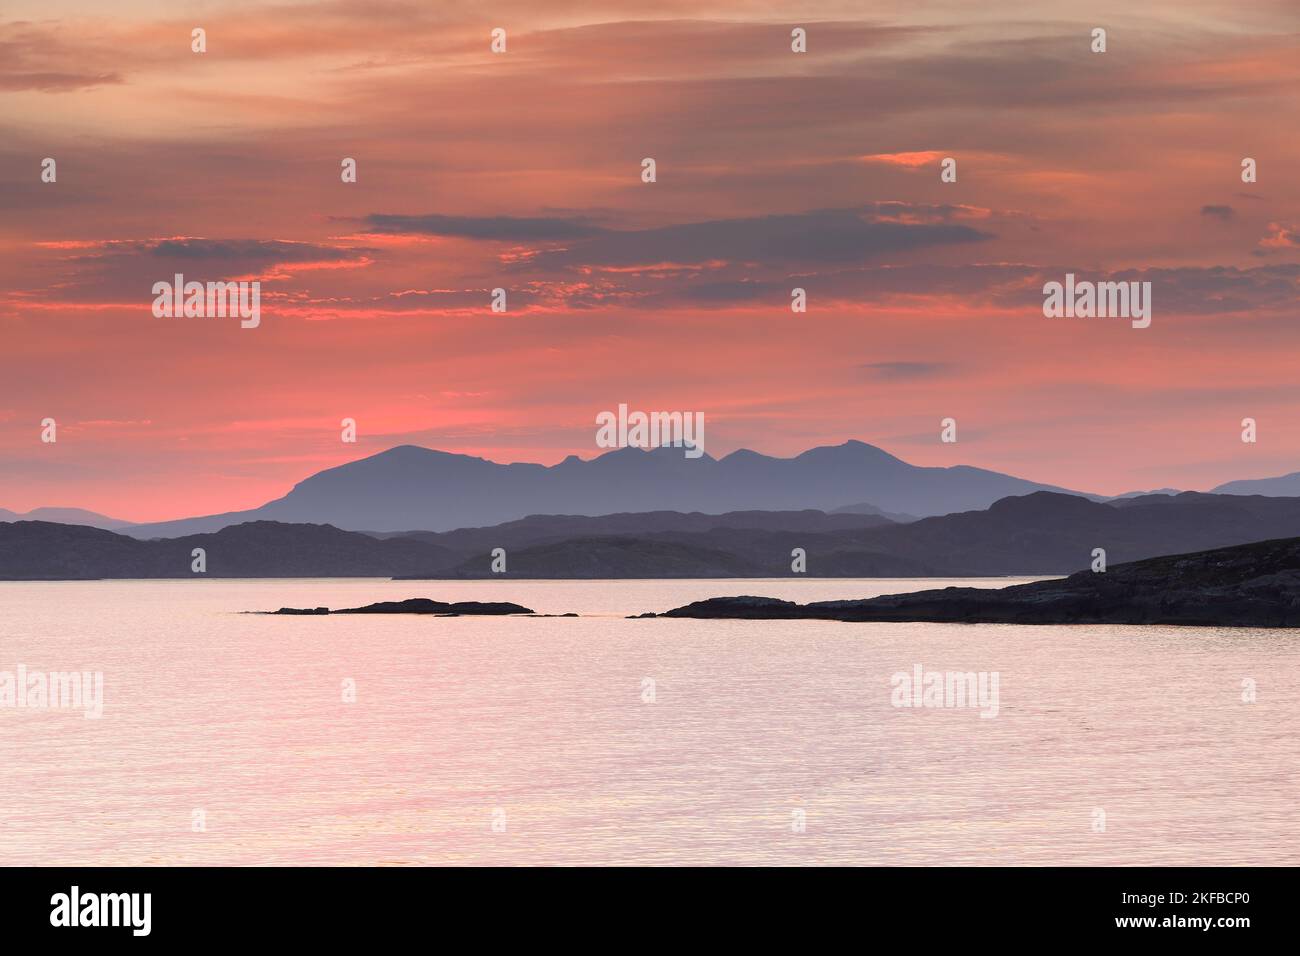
[522, 171]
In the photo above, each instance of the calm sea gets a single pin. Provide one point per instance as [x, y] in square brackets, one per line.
[226, 739]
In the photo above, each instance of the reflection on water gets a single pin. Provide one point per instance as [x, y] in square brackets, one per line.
[539, 726]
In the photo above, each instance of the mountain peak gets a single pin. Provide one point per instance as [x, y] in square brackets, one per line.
[411, 451]
[853, 450]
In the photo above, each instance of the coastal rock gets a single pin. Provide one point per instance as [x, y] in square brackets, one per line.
[1254, 585]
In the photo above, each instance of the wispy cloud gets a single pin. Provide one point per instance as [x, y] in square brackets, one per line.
[491, 228]
[827, 236]
[904, 371]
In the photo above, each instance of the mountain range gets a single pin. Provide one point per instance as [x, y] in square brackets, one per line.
[408, 488]
[1039, 533]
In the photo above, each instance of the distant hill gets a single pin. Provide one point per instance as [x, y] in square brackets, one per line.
[1143, 494]
[1046, 532]
[40, 550]
[1283, 485]
[535, 529]
[79, 516]
[1040, 533]
[409, 487]
[717, 553]
[612, 557]
[864, 508]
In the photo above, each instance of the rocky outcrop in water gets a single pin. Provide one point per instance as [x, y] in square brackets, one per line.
[420, 606]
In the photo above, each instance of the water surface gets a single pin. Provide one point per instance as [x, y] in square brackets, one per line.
[539, 724]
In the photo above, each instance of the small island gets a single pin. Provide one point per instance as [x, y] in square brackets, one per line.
[419, 606]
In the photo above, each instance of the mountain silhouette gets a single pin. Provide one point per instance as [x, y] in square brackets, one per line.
[43, 550]
[78, 516]
[410, 488]
[1282, 485]
[1040, 533]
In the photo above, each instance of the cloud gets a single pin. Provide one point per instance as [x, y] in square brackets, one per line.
[244, 251]
[39, 58]
[254, 250]
[724, 286]
[1222, 213]
[1280, 236]
[907, 160]
[1003, 287]
[498, 228]
[835, 236]
[115, 270]
[903, 371]
[11, 81]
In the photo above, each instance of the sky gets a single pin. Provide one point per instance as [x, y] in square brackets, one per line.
[522, 170]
